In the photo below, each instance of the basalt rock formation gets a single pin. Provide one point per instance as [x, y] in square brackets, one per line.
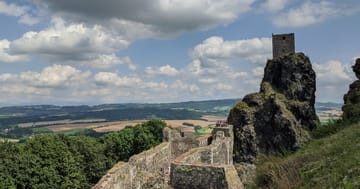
[351, 108]
[277, 118]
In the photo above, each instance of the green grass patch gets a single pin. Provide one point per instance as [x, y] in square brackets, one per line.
[329, 162]
[76, 131]
[38, 130]
[8, 140]
[201, 130]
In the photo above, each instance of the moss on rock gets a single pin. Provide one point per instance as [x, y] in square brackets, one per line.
[276, 118]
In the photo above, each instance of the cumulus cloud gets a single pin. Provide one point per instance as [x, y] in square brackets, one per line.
[51, 84]
[64, 42]
[212, 58]
[107, 61]
[55, 76]
[333, 72]
[215, 49]
[162, 16]
[92, 46]
[181, 86]
[8, 58]
[166, 70]
[18, 11]
[333, 79]
[110, 78]
[309, 13]
[274, 5]
[224, 87]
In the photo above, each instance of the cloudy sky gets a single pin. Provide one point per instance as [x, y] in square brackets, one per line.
[70, 52]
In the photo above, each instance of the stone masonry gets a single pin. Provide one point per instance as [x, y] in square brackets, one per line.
[283, 44]
[181, 161]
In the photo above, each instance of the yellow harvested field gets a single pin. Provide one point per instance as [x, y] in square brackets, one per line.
[98, 127]
[119, 125]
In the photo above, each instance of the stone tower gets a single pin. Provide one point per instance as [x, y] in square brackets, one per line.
[283, 44]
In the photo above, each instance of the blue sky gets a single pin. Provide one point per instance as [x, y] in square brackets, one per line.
[73, 52]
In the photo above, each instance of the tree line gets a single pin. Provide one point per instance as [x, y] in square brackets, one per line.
[61, 161]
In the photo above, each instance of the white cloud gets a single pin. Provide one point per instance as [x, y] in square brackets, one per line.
[333, 72]
[223, 87]
[274, 5]
[12, 9]
[110, 78]
[181, 86]
[212, 58]
[258, 71]
[207, 80]
[166, 70]
[52, 84]
[309, 13]
[93, 46]
[236, 75]
[64, 41]
[55, 76]
[333, 80]
[18, 11]
[8, 58]
[107, 61]
[215, 49]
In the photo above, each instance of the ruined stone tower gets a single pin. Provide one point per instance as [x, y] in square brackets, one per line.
[283, 44]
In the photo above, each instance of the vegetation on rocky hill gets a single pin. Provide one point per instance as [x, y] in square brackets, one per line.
[331, 161]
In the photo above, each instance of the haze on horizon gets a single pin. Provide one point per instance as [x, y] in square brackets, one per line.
[94, 52]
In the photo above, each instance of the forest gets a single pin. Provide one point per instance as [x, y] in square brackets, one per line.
[60, 161]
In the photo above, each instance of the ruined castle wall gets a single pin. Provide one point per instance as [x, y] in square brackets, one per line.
[207, 167]
[181, 144]
[146, 168]
[185, 176]
[219, 152]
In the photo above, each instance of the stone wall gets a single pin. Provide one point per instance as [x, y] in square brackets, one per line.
[204, 176]
[182, 142]
[283, 44]
[209, 166]
[219, 152]
[145, 170]
[195, 164]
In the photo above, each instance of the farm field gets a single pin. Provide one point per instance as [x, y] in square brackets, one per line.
[104, 127]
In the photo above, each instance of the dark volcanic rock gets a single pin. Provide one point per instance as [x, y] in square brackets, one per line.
[278, 117]
[351, 108]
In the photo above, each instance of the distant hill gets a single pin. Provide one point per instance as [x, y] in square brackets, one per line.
[208, 106]
[12, 116]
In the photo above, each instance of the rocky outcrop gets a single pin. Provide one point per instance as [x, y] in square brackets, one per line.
[278, 117]
[351, 108]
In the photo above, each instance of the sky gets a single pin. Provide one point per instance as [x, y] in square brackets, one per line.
[73, 52]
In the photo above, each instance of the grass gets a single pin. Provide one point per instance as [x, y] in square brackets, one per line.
[73, 131]
[330, 161]
[9, 140]
[201, 130]
[37, 130]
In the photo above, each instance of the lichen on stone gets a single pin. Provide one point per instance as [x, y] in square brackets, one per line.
[278, 117]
